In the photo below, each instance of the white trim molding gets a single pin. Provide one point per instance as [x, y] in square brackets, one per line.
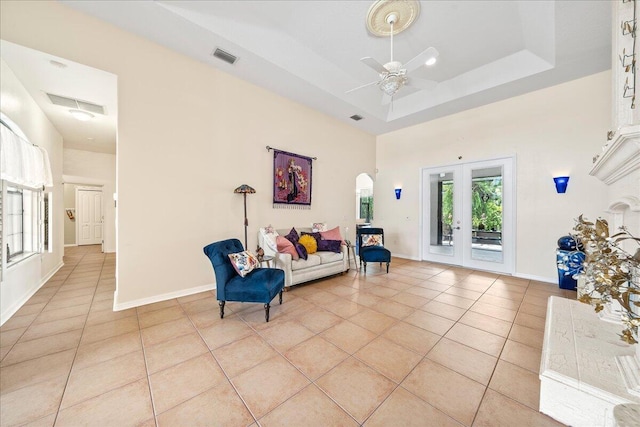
[620, 157]
[158, 298]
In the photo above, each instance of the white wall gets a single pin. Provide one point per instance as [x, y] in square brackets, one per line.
[21, 280]
[187, 136]
[552, 131]
[89, 168]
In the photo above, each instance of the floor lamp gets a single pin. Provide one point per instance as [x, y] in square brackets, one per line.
[244, 189]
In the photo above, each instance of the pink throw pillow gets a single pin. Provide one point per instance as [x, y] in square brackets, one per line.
[333, 234]
[286, 247]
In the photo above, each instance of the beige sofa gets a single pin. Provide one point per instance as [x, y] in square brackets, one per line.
[318, 265]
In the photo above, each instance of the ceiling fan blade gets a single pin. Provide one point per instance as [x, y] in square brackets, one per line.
[421, 84]
[419, 60]
[386, 99]
[363, 86]
[374, 64]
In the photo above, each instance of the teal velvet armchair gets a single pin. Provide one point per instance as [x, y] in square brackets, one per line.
[260, 285]
[371, 246]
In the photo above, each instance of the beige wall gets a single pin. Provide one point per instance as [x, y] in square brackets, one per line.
[94, 169]
[69, 225]
[21, 280]
[187, 136]
[552, 131]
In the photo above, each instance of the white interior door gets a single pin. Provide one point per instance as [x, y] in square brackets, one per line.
[468, 215]
[89, 217]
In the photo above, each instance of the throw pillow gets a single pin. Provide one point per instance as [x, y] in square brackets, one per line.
[316, 236]
[293, 236]
[372, 240]
[333, 234]
[318, 226]
[244, 262]
[286, 247]
[309, 243]
[329, 245]
[302, 251]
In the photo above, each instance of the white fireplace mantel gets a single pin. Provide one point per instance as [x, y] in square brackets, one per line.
[580, 383]
[620, 157]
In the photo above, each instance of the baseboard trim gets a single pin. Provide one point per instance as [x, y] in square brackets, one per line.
[536, 278]
[158, 298]
[394, 255]
[551, 280]
[18, 304]
[70, 245]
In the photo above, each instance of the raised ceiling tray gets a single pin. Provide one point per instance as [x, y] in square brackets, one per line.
[406, 11]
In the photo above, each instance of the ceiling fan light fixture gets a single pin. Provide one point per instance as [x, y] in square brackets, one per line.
[83, 116]
[392, 84]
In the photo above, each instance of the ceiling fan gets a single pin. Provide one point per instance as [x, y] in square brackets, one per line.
[393, 74]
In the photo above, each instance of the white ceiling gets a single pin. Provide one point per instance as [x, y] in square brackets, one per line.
[310, 51]
[37, 74]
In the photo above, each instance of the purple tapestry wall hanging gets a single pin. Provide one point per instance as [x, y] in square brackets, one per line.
[292, 180]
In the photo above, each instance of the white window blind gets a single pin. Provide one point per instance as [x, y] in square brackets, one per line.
[21, 162]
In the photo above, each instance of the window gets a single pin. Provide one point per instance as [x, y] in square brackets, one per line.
[47, 214]
[24, 207]
[15, 223]
[24, 217]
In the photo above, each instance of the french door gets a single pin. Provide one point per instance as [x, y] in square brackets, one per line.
[468, 215]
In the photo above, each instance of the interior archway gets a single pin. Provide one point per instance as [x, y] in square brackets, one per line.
[364, 198]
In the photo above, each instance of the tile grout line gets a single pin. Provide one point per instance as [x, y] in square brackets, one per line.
[66, 384]
[498, 358]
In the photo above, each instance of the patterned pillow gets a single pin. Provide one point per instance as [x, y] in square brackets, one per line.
[270, 230]
[309, 243]
[302, 251]
[318, 226]
[293, 236]
[372, 240]
[329, 245]
[286, 247]
[244, 262]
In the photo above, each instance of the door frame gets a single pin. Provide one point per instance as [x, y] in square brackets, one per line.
[89, 188]
[509, 225]
[425, 204]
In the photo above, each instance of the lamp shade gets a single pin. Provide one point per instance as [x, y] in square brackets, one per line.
[244, 189]
[561, 183]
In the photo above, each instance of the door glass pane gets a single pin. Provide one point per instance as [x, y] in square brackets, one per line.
[441, 239]
[486, 214]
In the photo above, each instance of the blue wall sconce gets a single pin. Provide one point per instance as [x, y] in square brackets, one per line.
[561, 183]
[398, 192]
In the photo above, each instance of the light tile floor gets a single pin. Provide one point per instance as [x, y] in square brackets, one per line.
[425, 345]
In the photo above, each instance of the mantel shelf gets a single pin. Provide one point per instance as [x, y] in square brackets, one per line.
[621, 157]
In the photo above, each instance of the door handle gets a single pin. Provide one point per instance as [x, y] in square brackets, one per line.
[457, 228]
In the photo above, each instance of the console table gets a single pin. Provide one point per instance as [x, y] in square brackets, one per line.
[580, 382]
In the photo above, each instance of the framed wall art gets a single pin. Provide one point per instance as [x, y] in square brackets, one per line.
[292, 175]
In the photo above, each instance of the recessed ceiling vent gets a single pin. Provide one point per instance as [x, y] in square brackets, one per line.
[225, 56]
[356, 117]
[63, 101]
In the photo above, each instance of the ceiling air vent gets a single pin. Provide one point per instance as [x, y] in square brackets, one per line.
[356, 117]
[63, 101]
[225, 56]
